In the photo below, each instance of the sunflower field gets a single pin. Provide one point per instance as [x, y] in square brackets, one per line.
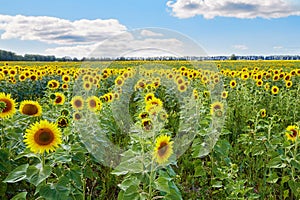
[150, 130]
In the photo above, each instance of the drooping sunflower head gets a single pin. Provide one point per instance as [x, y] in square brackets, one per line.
[292, 133]
[43, 136]
[8, 107]
[31, 108]
[163, 149]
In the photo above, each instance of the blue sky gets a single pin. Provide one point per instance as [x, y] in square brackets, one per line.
[221, 27]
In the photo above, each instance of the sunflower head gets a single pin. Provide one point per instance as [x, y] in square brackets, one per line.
[77, 116]
[60, 99]
[292, 133]
[77, 103]
[147, 124]
[93, 103]
[232, 83]
[163, 149]
[43, 136]
[263, 113]
[216, 109]
[31, 108]
[275, 90]
[8, 106]
[62, 122]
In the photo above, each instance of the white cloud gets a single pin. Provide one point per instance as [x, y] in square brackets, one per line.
[240, 47]
[54, 30]
[234, 8]
[125, 44]
[149, 33]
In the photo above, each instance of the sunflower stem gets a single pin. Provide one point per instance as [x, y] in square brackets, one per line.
[43, 165]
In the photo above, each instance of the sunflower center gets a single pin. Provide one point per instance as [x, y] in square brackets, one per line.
[44, 136]
[163, 147]
[8, 106]
[92, 103]
[78, 103]
[294, 133]
[58, 99]
[29, 109]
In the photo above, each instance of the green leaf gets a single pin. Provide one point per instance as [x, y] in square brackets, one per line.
[3, 188]
[17, 174]
[59, 191]
[4, 161]
[199, 171]
[132, 193]
[162, 184]
[295, 187]
[296, 164]
[273, 178]
[126, 183]
[36, 175]
[20, 196]
[276, 163]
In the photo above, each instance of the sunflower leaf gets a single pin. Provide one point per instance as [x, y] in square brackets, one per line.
[37, 175]
[17, 174]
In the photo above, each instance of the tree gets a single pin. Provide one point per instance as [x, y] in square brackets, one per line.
[233, 57]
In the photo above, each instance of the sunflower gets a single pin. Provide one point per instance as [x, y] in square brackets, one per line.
[163, 149]
[53, 84]
[232, 83]
[42, 136]
[275, 90]
[77, 116]
[263, 113]
[60, 99]
[149, 97]
[77, 103]
[147, 124]
[93, 103]
[65, 86]
[119, 81]
[288, 84]
[259, 83]
[87, 85]
[143, 115]
[182, 87]
[62, 122]
[206, 93]
[224, 94]
[31, 108]
[216, 109]
[267, 86]
[66, 78]
[292, 133]
[22, 77]
[9, 109]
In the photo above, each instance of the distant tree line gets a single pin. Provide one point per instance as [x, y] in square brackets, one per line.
[11, 56]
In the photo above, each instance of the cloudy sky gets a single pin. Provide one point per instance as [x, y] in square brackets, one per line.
[140, 27]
